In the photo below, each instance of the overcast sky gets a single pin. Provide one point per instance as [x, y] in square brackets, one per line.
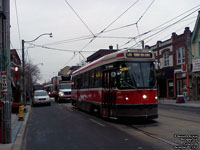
[86, 18]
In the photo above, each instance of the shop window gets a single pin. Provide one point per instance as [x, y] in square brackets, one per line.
[166, 58]
[180, 53]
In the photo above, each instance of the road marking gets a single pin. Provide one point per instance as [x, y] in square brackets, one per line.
[97, 122]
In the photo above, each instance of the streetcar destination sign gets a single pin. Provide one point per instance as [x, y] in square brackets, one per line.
[139, 55]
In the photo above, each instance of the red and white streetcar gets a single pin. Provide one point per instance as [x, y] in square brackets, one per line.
[121, 84]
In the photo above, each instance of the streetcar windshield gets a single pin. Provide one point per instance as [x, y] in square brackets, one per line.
[136, 75]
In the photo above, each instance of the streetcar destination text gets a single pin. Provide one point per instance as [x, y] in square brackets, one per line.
[139, 55]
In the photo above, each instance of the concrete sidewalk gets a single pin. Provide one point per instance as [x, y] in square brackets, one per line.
[17, 132]
[193, 103]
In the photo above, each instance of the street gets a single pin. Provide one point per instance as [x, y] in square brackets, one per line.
[61, 127]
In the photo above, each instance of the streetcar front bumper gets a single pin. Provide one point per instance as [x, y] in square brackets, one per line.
[149, 111]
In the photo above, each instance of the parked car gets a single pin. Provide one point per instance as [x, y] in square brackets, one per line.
[41, 97]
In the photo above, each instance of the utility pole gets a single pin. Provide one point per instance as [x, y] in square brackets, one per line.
[6, 91]
[23, 66]
[23, 76]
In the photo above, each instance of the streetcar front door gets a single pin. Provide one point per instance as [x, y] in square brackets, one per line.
[109, 94]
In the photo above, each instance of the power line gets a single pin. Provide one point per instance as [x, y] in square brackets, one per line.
[108, 26]
[79, 17]
[170, 25]
[71, 40]
[138, 22]
[170, 33]
[163, 28]
[118, 18]
[17, 22]
[145, 11]
[81, 38]
[57, 49]
[141, 18]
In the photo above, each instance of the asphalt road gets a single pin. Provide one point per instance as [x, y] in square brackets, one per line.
[62, 127]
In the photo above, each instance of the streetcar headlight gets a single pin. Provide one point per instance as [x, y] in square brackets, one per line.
[144, 96]
[126, 98]
[156, 97]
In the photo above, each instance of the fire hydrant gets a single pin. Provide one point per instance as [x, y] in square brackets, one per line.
[21, 113]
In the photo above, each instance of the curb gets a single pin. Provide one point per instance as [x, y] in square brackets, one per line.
[181, 105]
[20, 135]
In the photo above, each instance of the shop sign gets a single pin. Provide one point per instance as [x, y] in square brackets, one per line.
[196, 65]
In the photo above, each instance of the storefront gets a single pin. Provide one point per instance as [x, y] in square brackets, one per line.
[165, 84]
[196, 79]
[181, 80]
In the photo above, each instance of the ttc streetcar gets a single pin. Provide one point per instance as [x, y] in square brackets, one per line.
[119, 85]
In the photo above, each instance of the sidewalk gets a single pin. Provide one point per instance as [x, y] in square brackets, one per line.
[193, 103]
[17, 132]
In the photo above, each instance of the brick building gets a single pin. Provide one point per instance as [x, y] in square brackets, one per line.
[195, 60]
[173, 67]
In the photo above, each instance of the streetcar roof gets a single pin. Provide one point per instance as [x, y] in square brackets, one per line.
[113, 57]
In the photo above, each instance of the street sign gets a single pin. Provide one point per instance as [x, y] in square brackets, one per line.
[4, 83]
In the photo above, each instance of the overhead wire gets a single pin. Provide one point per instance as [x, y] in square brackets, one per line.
[136, 24]
[79, 17]
[171, 24]
[81, 38]
[158, 27]
[87, 36]
[170, 33]
[57, 49]
[102, 31]
[18, 27]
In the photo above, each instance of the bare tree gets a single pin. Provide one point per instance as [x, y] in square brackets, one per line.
[32, 75]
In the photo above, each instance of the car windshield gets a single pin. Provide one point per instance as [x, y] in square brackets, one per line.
[64, 86]
[40, 93]
[137, 75]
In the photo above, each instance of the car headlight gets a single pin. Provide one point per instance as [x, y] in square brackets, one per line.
[144, 96]
[156, 97]
[61, 93]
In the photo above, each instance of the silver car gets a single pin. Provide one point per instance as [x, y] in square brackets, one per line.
[41, 97]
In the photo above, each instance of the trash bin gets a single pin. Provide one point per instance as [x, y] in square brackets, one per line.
[180, 99]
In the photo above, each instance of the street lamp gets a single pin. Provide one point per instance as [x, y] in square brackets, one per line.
[23, 65]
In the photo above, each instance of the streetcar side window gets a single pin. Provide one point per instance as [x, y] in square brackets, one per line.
[91, 78]
[86, 80]
[79, 82]
[98, 76]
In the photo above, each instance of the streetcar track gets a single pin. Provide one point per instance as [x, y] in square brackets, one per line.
[155, 137]
[179, 118]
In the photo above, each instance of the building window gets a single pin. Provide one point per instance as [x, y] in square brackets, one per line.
[166, 59]
[180, 53]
